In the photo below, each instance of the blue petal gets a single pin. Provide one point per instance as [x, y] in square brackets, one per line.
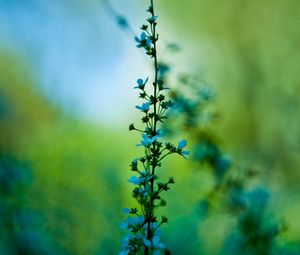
[157, 244]
[146, 106]
[185, 152]
[135, 220]
[154, 138]
[182, 144]
[148, 42]
[124, 224]
[135, 180]
[126, 210]
[143, 107]
[147, 242]
[146, 142]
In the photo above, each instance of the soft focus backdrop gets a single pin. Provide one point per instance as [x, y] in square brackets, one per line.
[66, 76]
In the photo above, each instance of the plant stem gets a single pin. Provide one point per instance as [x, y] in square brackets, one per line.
[148, 250]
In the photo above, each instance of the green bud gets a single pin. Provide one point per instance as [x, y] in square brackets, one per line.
[145, 119]
[131, 127]
[133, 211]
[134, 166]
[171, 180]
[144, 27]
[161, 97]
[163, 203]
[164, 219]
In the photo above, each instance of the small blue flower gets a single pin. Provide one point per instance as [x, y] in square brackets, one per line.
[135, 180]
[142, 37]
[143, 41]
[159, 134]
[136, 220]
[132, 221]
[144, 107]
[155, 243]
[152, 19]
[146, 142]
[141, 83]
[181, 145]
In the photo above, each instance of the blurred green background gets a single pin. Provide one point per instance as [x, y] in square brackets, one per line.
[66, 99]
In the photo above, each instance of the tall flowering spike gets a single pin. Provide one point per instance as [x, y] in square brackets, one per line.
[143, 224]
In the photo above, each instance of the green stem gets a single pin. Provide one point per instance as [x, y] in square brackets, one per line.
[151, 213]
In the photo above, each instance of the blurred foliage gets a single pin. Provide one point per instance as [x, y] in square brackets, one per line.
[74, 185]
[249, 51]
[254, 230]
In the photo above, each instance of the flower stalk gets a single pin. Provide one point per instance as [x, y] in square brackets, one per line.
[143, 223]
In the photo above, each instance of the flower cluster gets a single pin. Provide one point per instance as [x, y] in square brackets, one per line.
[143, 223]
